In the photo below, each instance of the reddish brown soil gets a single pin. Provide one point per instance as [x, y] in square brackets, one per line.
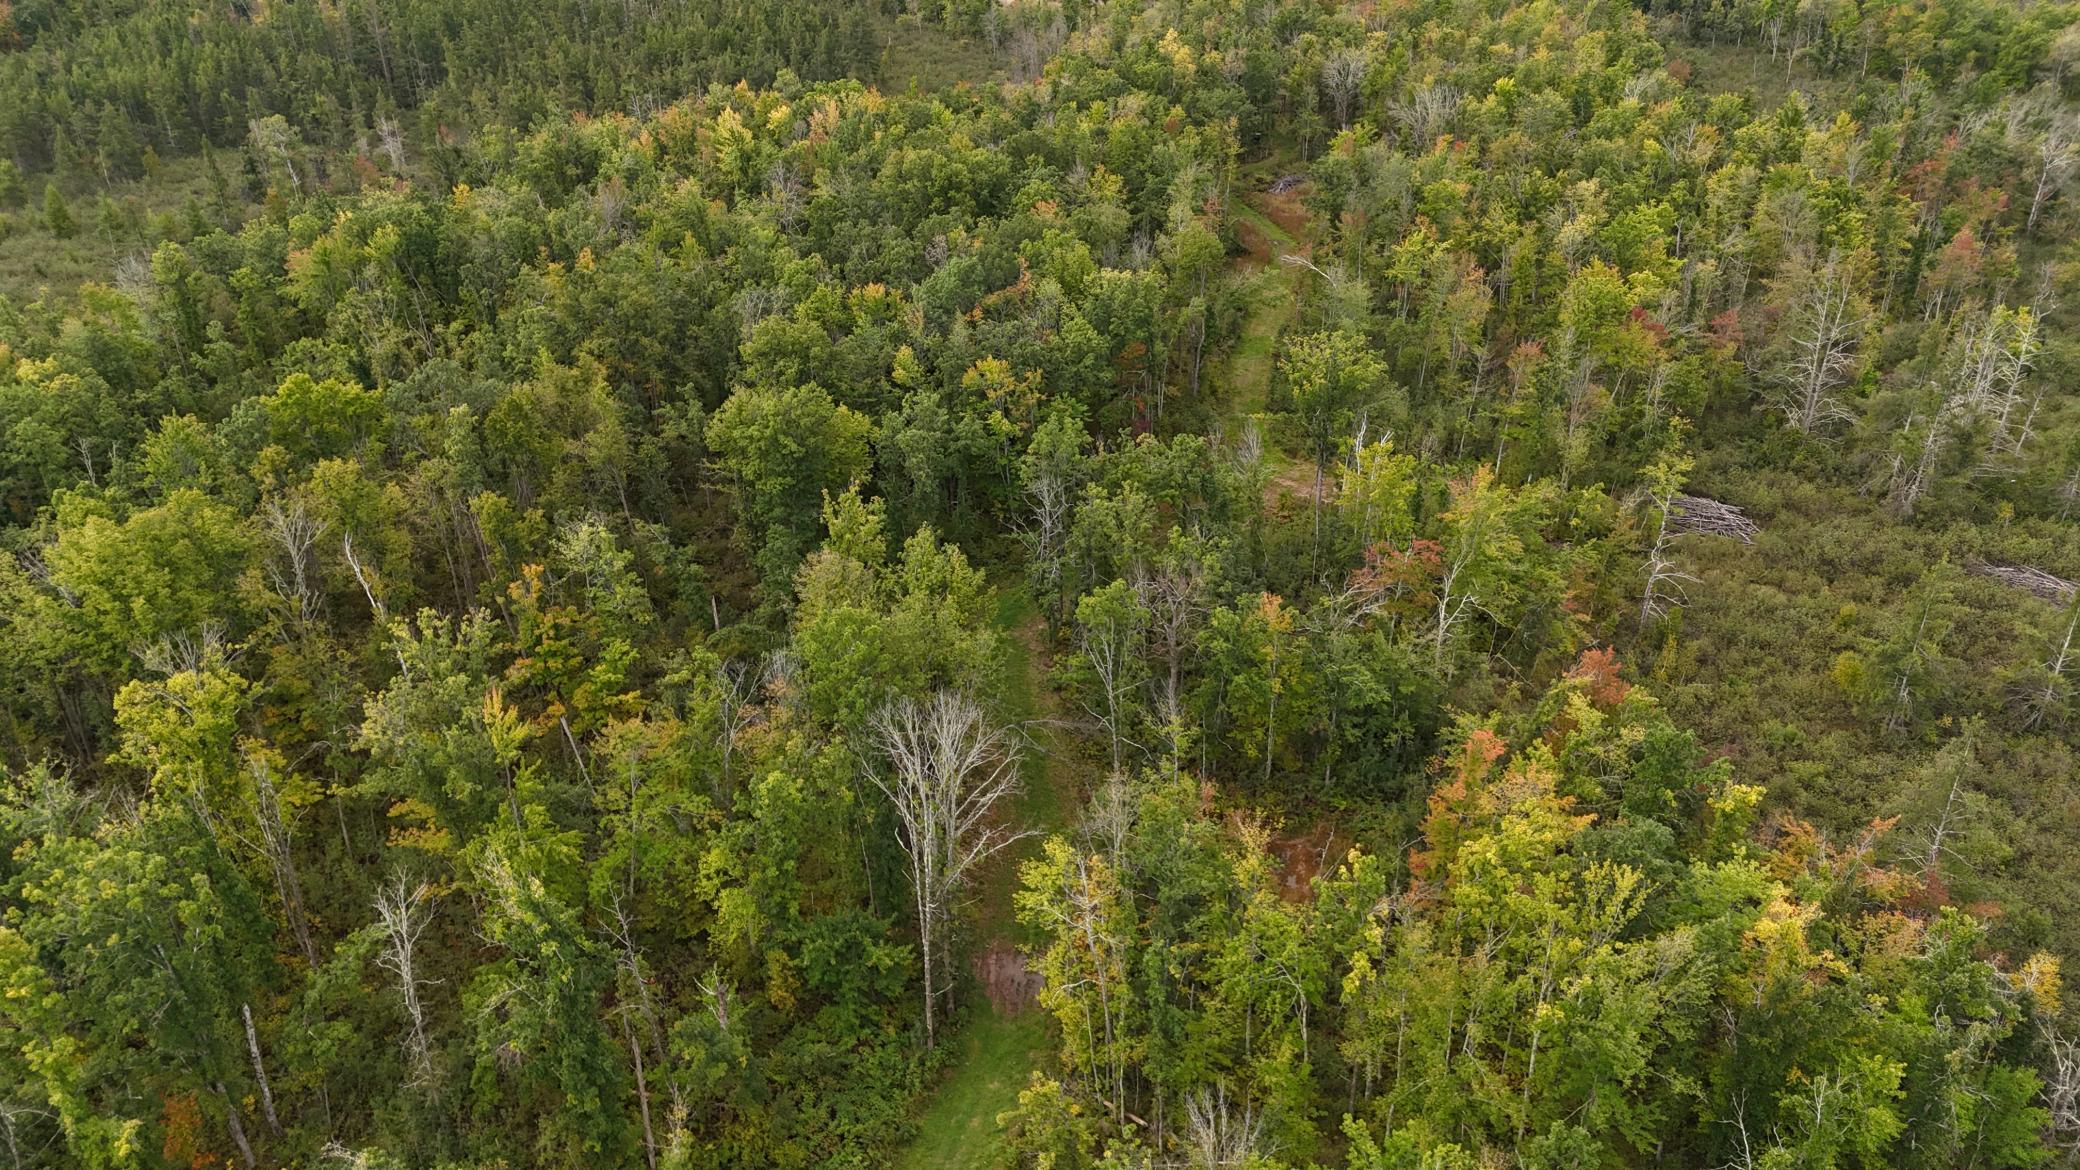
[1303, 855]
[1297, 481]
[1256, 245]
[1002, 972]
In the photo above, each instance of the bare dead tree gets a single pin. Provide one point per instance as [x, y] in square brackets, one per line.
[1426, 113]
[273, 136]
[2012, 354]
[1221, 1133]
[2056, 158]
[1927, 848]
[12, 1114]
[2045, 697]
[639, 1004]
[1249, 447]
[1909, 484]
[741, 684]
[949, 769]
[347, 1158]
[1664, 580]
[364, 579]
[2026, 578]
[182, 650]
[292, 536]
[1174, 596]
[787, 192]
[260, 1069]
[612, 201]
[1047, 535]
[1988, 361]
[134, 280]
[1110, 644]
[39, 570]
[1744, 1155]
[390, 140]
[720, 993]
[401, 910]
[1454, 605]
[235, 1124]
[375, 603]
[1826, 333]
[1343, 75]
[1109, 818]
[2062, 1084]
[276, 844]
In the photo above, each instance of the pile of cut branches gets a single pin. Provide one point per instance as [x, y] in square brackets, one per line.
[1696, 514]
[2031, 580]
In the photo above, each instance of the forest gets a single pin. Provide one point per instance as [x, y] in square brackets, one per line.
[1057, 584]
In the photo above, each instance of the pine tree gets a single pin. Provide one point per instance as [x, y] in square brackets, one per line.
[56, 215]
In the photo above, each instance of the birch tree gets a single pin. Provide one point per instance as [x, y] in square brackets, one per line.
[1052, 471]
[1111, 624]
[277, 845]
[949, 768]
[292, 536]
[1079, 902]
[1332, 376]
[1490, 557]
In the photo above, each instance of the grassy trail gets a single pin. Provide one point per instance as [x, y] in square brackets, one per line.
[997, 1046]
[1270, 290]
[1270, 227]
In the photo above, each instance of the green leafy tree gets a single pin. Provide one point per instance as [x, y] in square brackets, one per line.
[782, 450]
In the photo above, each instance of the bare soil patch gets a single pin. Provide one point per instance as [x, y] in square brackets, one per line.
[1303, 855]
[1011, 987]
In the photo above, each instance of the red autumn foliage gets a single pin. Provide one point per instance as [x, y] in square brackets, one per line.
[1599, 669]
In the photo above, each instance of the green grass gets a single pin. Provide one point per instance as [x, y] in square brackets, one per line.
[35, 264]
[1049, 790]
[1748, 70]
[930, 57]
[993, 1057]
[1245, 376]
[1272, 292]
[1242, 210]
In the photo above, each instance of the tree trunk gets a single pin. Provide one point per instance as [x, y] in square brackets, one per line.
[237, 1127]
[635, 1051]
[260, 1070]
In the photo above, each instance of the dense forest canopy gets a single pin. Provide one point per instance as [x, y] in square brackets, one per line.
[1258, 583]
[93, 86]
